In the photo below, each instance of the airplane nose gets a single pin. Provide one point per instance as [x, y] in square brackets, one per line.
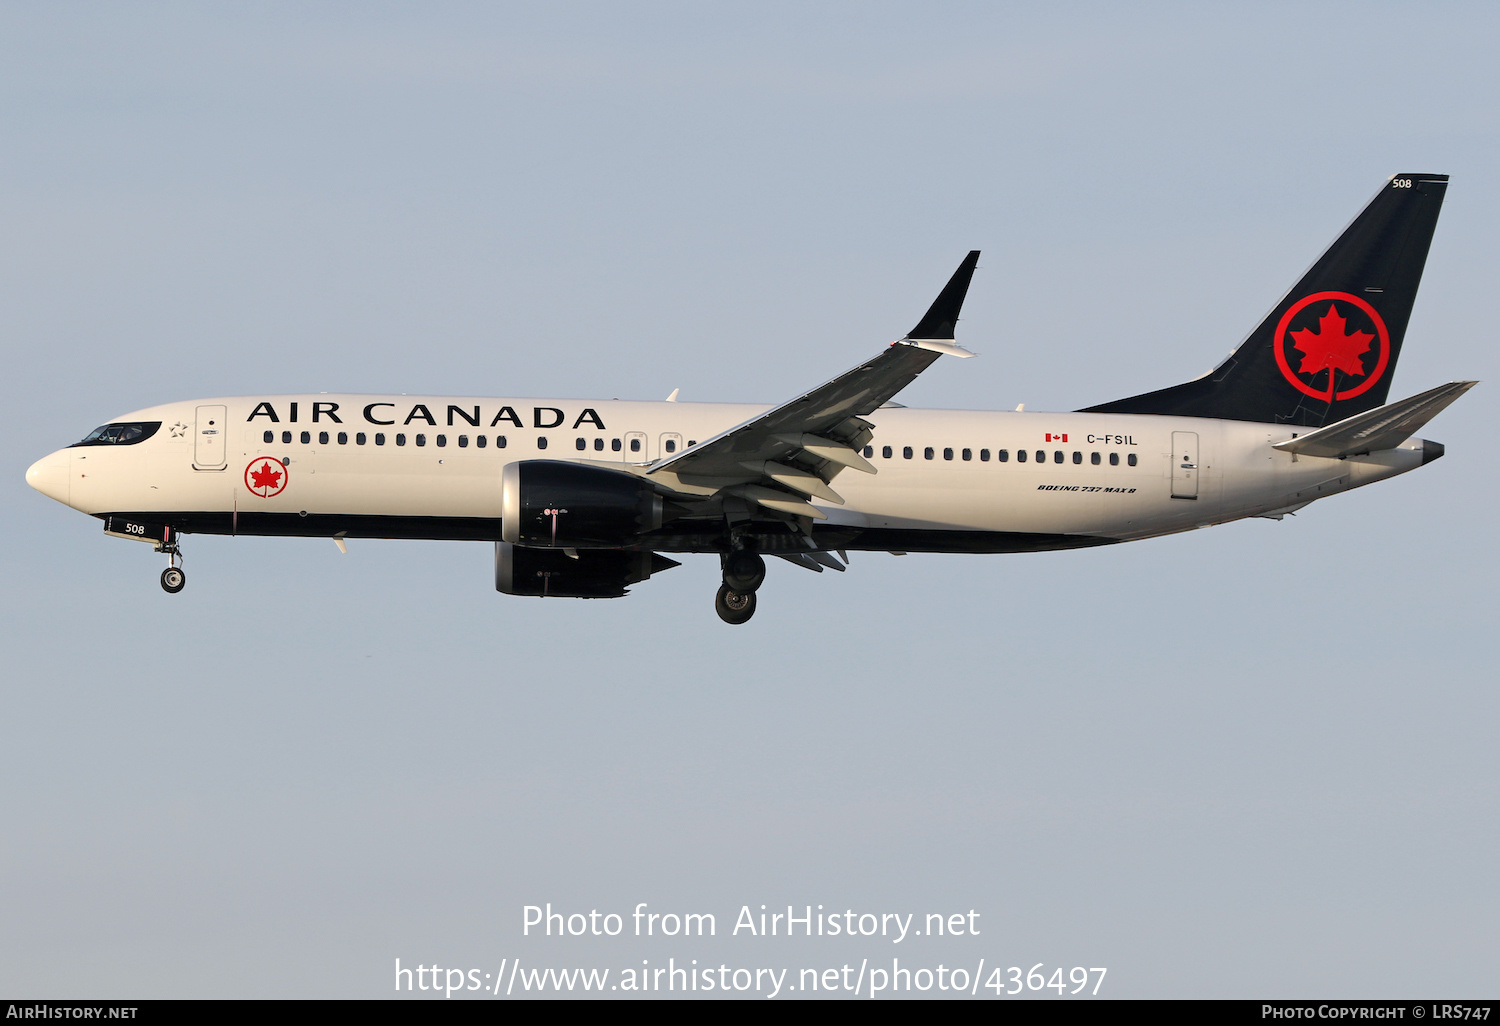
[49, 475]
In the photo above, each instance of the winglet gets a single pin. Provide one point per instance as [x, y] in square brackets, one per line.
[936, 346]
[937, 325]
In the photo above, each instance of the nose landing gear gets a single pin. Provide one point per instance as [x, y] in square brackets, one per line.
[744, 572]
[173, 579]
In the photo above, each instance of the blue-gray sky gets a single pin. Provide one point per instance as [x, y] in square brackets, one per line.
[1247, 761]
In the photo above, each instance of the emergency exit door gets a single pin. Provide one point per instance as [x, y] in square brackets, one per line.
[208, 438]
[1184, 464]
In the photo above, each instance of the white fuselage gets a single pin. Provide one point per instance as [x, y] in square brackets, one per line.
[407, 466]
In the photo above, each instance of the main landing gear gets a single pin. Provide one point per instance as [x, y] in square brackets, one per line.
[173, 579]
[744, 572]
[734, 606]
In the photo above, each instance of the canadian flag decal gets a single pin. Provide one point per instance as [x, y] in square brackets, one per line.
[1057, 438]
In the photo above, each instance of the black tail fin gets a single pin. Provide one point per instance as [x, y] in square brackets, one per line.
[1328, 349]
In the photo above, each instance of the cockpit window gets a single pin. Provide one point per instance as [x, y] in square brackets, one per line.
[120, 434]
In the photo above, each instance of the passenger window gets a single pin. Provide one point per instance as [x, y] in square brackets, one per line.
[1094, 458]
[322, 437]
[968, 454]
[692, 442]
[635, 445]
[614, 445]
[947, 454]
[1130, 459]
[343, 438]
[286, 438]
[442, 440]
[1057, 456]
[1003, 455]
[1041, 457]
[1078, 457]
[906, 452]
[885, 452]
[671, 445]
[984, 455]
[541, 441]
[927, 453]
[869, 451]
[269, 437]
[598, 445]
[1020, 455]
[306, 437]
[500, 442]
[480, 441]
[580, 444]
[421, 439]
[400, 438]
[463, 441]
[379, 438]
[1114, 459]
[359, 438]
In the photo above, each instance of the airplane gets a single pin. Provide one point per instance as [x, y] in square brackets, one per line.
[581, 498]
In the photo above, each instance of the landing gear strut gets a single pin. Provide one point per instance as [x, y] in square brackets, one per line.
[744, 572]
[172, 578]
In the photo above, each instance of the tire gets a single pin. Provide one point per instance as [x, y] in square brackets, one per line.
[744, 571]
[734, 606]
[173, 580]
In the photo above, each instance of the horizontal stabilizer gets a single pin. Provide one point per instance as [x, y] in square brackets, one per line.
[1383, 428]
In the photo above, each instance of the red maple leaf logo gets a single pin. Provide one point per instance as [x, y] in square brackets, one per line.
[1330, 348]
[265, 477]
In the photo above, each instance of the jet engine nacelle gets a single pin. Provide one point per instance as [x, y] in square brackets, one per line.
[554, 504]
[591, 573]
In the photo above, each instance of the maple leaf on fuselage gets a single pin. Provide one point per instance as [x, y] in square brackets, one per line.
[264, 477]
[1330, 349]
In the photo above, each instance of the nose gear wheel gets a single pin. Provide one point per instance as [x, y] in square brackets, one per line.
[172, 578]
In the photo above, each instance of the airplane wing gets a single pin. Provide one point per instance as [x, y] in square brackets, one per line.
[1382, 428]
[789, 454]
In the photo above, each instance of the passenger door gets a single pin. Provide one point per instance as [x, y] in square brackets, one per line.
[1184, 464]
[208, 438]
